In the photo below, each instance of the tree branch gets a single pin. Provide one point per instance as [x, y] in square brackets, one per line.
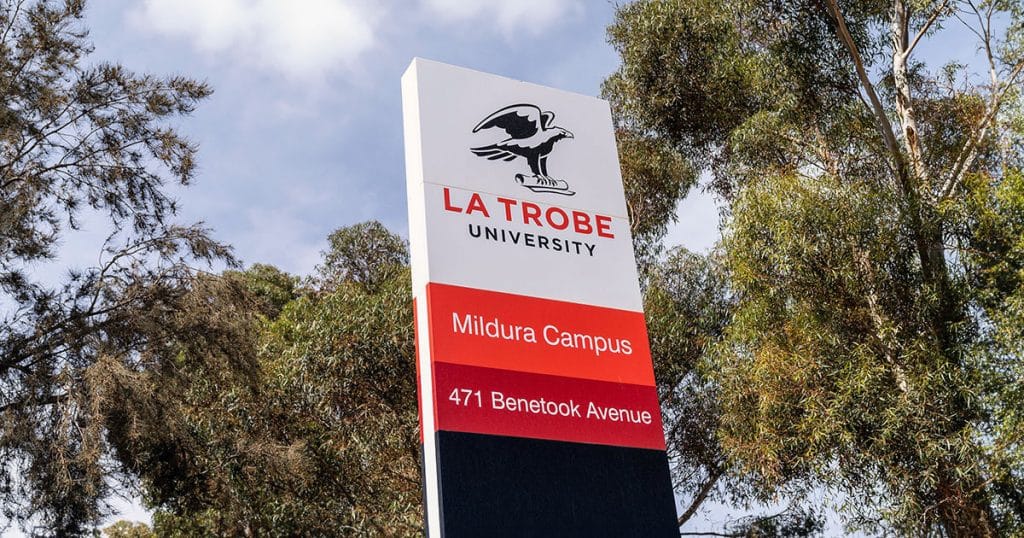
[702, 494]
[969, 151]
[10, 25]
[985, 23]
[881, 120]
[927, 25]
[49, 400]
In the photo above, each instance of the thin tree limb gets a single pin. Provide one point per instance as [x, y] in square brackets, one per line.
[49, 400]
[927, 25]
[881, 120]
[702, 494]
[985, 23]
[969, 152]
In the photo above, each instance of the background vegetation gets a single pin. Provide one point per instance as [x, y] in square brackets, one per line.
[853, 344]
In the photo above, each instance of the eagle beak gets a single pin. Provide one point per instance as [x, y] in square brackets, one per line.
[568, 134]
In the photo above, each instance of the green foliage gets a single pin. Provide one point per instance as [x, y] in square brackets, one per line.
[128, 529]
[872, 249]
[790, 523]
[273, 287]
[828, 358]
[365, 253]
[342, 366]
[655, 178]
[316, 435]
[83, 137]
[688, 305]
[693, 99]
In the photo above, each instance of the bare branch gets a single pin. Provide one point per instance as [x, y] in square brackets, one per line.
[985, 24]
[881, 120]
[927, 25]
[14, 19]
[702, 494]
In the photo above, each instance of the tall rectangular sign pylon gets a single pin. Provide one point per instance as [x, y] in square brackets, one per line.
[539, 413]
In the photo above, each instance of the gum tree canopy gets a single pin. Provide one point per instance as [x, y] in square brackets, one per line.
[86, 140]
[873, 242]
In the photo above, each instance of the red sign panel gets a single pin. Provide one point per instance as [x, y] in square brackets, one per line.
[527, 334]
[498, 402]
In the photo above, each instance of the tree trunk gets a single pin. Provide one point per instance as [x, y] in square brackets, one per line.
[964, 512]
[962, 509]
[904, 100]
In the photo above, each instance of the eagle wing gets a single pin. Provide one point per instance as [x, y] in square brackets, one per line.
[494, 152]
[519, 121]
[547, 119]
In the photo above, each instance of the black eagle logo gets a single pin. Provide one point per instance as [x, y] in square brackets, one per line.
[531, 136]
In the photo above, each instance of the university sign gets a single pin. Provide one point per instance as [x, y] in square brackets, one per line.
[538, 410]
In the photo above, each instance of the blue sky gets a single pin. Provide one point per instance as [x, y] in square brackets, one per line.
[304, 131]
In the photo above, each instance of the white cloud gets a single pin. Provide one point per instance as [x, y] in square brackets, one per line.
[698, 226]
[511, 17]
[301, 39]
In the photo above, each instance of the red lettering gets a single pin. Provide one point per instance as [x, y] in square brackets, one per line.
[604, 226]
[581, 223]
[561, 214]
[555, 217]
[477, 204]
[531, 212]
[509, 202]
[448, 202]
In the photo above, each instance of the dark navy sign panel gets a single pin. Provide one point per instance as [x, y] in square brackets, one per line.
[499, 487]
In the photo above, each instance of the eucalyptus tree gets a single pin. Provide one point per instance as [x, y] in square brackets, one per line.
[317, 434]
[873, 241]
[78, 140]
[655, 178]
